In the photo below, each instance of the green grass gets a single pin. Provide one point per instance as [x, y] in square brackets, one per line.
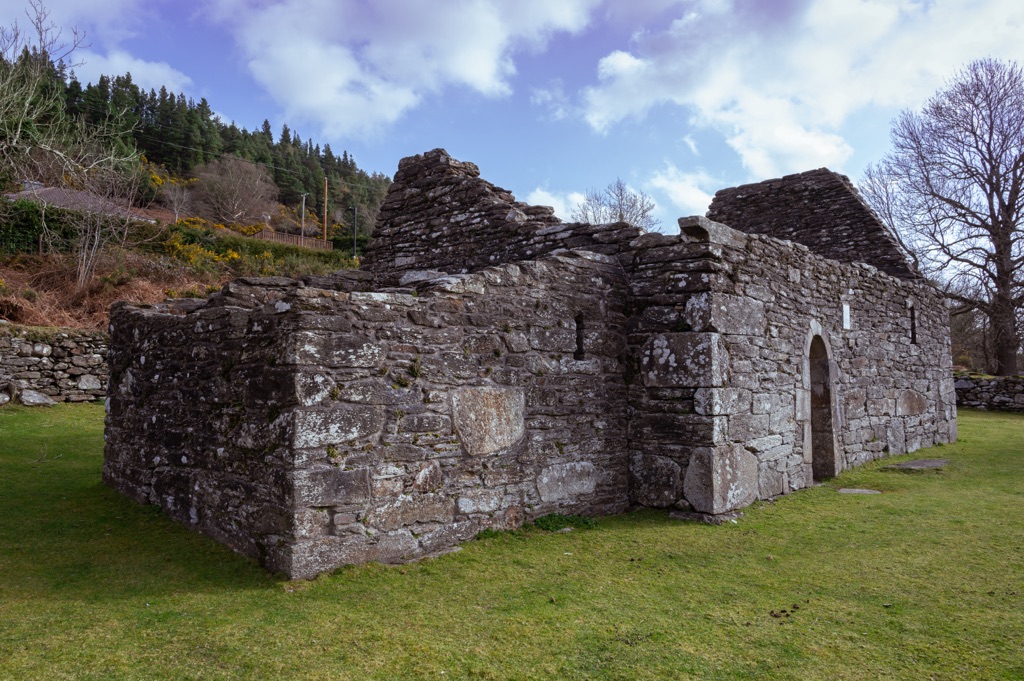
[923, 581]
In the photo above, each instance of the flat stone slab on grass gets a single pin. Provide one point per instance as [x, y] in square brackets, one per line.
[856, 490]
[707, 518]
[918, 465]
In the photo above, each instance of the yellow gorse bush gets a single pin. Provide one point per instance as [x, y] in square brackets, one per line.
[194, 254]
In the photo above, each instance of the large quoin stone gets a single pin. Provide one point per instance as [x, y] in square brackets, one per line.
[340, 424]
[332, 486]
[488, 419]
[725, 314]
[691, 360]
[721, 479]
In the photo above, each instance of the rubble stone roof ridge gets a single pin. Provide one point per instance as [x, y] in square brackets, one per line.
[820, 209]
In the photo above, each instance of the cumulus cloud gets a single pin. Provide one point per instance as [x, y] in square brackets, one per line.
[356, 67]
[554, 100]
[101, 26]
[779, 80]
[146, 74]
[688, 192]
[562, 202]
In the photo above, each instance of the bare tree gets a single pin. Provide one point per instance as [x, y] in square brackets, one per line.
[113, 190]
[38, 141]
[231, 190]
[953, 188]
[616, 203]
[177, 195]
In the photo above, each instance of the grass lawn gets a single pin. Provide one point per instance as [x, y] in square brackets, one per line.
[923, 581]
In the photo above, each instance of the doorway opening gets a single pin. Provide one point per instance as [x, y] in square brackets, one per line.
[823, 448]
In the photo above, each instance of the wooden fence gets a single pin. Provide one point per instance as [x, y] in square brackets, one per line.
[292, 239]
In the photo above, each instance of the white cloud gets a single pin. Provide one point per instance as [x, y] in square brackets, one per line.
[688, 192]
[563, 202]
[360, 66]
[554, 100]
[780, 80]
[101, 25]
[146, 74]
[691, 144]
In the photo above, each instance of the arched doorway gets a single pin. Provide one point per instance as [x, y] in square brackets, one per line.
[823, 441]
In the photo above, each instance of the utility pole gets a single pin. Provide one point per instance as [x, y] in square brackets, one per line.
[302, 230]
[355, 224]
[325, 208]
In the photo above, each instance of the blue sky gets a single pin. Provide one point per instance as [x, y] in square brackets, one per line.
[679, 98]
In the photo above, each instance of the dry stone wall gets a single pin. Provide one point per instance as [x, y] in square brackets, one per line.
[65, 365]
[311, 428]
[996, 393]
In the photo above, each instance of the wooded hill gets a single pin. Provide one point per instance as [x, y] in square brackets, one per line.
[177, 135]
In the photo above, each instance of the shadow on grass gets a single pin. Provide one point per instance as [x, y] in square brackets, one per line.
[63, 533]
[93, 544]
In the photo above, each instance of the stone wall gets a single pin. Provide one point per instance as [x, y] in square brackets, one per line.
[311, 428]
[819, 209]
[723, 413]
[996, 393]
[440, 214]
[339, 419]
[67, 365]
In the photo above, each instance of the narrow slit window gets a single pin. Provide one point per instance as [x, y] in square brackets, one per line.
[913, 325]
[579, 354]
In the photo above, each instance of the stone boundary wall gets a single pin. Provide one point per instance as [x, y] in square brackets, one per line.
[311, 428]
[67, 365]
[998, 393]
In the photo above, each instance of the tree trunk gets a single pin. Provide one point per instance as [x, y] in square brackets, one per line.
[1005, 338]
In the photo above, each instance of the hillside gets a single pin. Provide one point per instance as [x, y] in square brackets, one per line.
[189, 259]
[198, 186]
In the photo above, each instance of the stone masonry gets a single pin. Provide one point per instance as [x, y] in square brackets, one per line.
[491, 365]
[991, 393]
[66, 365]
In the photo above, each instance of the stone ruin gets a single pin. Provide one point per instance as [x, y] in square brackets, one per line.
[491, 364]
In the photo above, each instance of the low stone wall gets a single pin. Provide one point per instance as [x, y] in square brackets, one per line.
[999, 393]
[68, 365]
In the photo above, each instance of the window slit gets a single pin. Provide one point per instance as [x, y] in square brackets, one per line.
[913, 325]
[579, 354]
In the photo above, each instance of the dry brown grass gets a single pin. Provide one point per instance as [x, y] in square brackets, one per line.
[40, 290]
